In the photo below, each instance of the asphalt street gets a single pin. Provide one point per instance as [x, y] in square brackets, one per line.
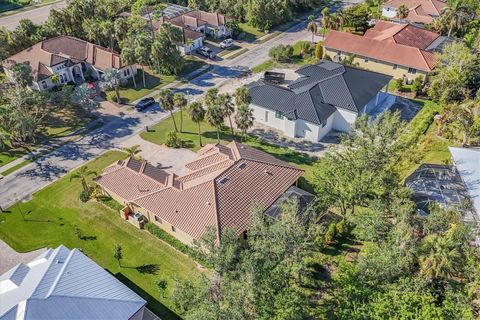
[37, 15]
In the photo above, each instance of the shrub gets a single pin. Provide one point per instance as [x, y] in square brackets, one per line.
[341, 228]
[417, 85]
[173, 141]
[304, 48]
[110, 95]
[319, 50]
[24, 2]
[331, 232]
[399, 84]
[281, 53]
[177, 244]
[77, 232]
[84, 196]
[111, 203]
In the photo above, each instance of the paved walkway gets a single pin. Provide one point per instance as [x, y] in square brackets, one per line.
[9, 258]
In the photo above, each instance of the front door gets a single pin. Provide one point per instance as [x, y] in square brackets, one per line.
[266, 116]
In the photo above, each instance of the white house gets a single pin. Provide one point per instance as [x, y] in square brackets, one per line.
[419, 11]
[326, 96]
[65, 284]
[66, 59]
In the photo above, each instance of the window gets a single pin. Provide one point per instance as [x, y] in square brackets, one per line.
[44, 84]
[173, 229]
[125, 72]
[266, 116]
[158, 219]
[278, 115]
[412, 70]
[395, 67]
[366, 60]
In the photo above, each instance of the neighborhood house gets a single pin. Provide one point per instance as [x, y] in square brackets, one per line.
[399, 50]
[222, 186]
[325, 96]
[66, 284]
[65, 59]
[419, 11]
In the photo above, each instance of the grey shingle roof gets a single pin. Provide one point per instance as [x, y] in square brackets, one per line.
[65, 284]
[319, 91]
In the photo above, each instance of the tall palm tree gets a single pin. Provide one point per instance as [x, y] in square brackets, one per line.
[179, 101]
[132, 151]
[215, 118]
[325, 20]
[242, 96]
[82, 174]
[128, 55]
[244, 118]
[111, 80]
[142, 52]
[225, 102]
[402, 12]
[455, 16]
[312, 26]
[211, 97]
[440, 257]
[165, 99]
[197, 114]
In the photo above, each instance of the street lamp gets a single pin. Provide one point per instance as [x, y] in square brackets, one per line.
[18, 206]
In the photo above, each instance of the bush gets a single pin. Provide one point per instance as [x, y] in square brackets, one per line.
[24, 2]
[399, 84]
[84, 196]
[304, 49]
[319, 50]
[177, 244]
[331, 232]
[110, 95]
[281, 53]
[111, 203]
[417, 85]
[173, 141]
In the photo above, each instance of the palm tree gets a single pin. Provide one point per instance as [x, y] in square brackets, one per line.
[211, 97]
[325, 20]
[165, 99]
[215, 118]
[197, 114]
[242, 96]
[350, 60]
[111, 80]
[132, 151]
[455, 16]
[128, 56]
[188, 44]
[312, 26]
[179, 101]
[440, 257]
[402, 12]
[244, 118]
[83, 173]
[225, 102]
[142, 52]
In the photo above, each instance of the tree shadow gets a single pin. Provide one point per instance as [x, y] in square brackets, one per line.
[148, 268]
[153, 304]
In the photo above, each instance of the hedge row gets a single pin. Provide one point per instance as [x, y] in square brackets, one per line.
[174, 242]
[111, 203]
[422, 121]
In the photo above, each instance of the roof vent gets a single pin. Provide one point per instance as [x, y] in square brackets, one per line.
[242, 165]
[268, 172]
[208, 203]
[223, 180]
[142, 190]
[59, 261]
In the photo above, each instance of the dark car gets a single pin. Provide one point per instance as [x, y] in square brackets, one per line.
[142, 104]
[206, 52]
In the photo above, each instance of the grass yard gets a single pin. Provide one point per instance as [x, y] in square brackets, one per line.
[54, 211]
[158, 134]
[57, 124]
[264, 66]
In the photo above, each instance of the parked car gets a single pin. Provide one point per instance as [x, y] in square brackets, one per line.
[142, 104]
[227, 43]
[206, 52]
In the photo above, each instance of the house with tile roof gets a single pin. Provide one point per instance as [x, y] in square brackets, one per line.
[400, 50]
[420, 12]
[66, 284]
[220, 189]
[325, 96]
[69, 59]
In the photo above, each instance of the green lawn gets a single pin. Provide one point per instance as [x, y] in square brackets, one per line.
[54, 211]
[249, 33]
[158, 134]
[264, 66]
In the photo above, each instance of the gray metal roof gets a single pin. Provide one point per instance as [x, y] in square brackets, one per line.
[302, 197]
[319, 91]
[65, 284]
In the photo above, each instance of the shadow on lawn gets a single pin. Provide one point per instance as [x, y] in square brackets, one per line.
[153, 304]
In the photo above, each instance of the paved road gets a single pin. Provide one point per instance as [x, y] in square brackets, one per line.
[37, 15]
[23, 183]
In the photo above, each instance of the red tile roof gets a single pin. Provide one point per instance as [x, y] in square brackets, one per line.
[420, 11]
[62, 48]
[401, 44]
[222, 186]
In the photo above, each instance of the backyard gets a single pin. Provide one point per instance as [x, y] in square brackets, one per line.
[50, 219]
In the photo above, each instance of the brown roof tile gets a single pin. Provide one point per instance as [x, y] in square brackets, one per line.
[225, 182]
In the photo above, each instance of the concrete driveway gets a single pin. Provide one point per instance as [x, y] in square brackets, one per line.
[9, 258]
[171, 160]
